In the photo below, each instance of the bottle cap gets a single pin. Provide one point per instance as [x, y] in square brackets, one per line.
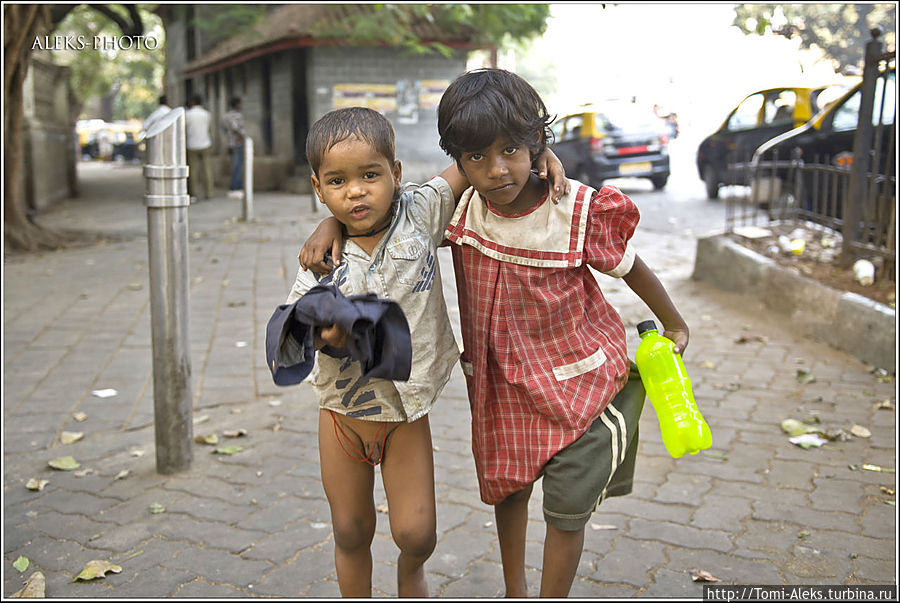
[647, 325]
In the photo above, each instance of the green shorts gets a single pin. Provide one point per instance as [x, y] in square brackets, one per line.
[598, 464]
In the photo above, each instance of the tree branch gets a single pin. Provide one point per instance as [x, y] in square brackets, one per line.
[135, 27]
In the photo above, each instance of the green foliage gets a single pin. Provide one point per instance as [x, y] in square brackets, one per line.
[488, 24]
[134, 76]
[220, 22]
[840, 31]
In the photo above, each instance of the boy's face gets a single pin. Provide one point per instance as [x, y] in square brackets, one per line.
[357, 183]
[500, 173]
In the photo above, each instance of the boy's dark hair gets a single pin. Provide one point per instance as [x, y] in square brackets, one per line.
[235, 102]
[197, 100]
[163, 100]
[481, 105]
[338, 125]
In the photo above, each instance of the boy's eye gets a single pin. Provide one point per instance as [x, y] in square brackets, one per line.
[370, 175]
[336, 181]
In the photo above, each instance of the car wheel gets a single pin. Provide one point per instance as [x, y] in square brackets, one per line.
[711, 180]
[659, 182]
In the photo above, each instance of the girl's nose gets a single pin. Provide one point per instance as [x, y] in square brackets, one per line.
[498, 169]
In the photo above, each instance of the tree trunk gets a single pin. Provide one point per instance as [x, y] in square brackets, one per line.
[21, 24]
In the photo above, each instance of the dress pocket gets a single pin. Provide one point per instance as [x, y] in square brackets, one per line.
[580, 367]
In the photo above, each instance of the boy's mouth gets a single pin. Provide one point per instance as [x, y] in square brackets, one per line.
[360, 211]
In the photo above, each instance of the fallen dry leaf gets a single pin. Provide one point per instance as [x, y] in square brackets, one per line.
[860, 431]
[68, 437]
[234, 433]
[97, 569]
[33, 589]
[698, 575]
[36, 484]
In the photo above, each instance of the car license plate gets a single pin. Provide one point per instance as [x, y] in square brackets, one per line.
[634, 168]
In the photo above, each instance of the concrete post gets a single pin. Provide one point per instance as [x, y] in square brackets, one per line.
[166, 199]
[248, 179]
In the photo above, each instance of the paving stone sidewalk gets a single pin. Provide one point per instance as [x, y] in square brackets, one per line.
[755, 509]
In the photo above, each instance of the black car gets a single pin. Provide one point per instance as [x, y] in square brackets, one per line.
[827, 141]
[756, 119]
[614, 140]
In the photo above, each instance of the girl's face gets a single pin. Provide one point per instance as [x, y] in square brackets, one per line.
[502, 174]
[357, 183]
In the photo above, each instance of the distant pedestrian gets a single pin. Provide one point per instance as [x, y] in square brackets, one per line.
[233, 126]
[199, 147]
[157, 114]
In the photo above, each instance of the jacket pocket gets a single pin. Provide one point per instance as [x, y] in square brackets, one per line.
[413, 262]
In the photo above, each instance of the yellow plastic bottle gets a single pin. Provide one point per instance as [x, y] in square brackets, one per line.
[669, 390]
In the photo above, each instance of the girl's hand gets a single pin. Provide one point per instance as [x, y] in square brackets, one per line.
[327, 237]
[548, 162]
[680, 336]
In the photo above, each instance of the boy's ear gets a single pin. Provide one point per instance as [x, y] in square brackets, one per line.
[397, 172]
[315, 185]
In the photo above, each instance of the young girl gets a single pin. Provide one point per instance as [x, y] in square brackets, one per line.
[391, 240]
[551, 388]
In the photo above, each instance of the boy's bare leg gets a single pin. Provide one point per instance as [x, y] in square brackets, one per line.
[348, 485]
[562, 552]
[512, 524]
[408, 474]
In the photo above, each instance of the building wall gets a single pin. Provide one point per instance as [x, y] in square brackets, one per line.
[331, 68]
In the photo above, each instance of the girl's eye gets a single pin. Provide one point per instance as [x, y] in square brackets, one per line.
[510, 150]
[475, 157]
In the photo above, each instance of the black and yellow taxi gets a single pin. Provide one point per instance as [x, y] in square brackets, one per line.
[827, 139]
[759, 117]
[612, 140]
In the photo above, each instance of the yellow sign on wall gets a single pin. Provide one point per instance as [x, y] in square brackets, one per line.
[380, 97]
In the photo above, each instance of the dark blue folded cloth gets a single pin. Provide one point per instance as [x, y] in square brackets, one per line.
[378, 335]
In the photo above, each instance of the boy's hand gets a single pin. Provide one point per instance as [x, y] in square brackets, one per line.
[327, 237]
[548, 162]
[334, 336]
[680, 336]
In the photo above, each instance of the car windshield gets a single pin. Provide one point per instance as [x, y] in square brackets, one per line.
[627, 117]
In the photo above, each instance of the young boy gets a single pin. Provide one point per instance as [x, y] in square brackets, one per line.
[391, 239]
[551, 388]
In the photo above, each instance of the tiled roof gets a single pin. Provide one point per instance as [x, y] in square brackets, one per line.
[293, 25]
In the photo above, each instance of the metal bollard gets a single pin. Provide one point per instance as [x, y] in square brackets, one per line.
[248, 179]
[166, 199]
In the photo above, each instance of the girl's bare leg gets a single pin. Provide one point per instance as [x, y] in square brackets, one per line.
[348, 485]
[408, 474]
[562, 552]
[512, 523]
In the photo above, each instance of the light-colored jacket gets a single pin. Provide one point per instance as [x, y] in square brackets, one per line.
[196, 128]
[403, 267]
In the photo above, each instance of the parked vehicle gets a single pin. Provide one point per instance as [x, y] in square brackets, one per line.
[613, 140]
[827, 140]
[761, 116]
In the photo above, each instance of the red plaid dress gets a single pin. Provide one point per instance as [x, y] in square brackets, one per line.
[544, 351]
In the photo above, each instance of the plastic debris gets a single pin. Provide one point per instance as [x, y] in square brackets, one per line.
[864, 272]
